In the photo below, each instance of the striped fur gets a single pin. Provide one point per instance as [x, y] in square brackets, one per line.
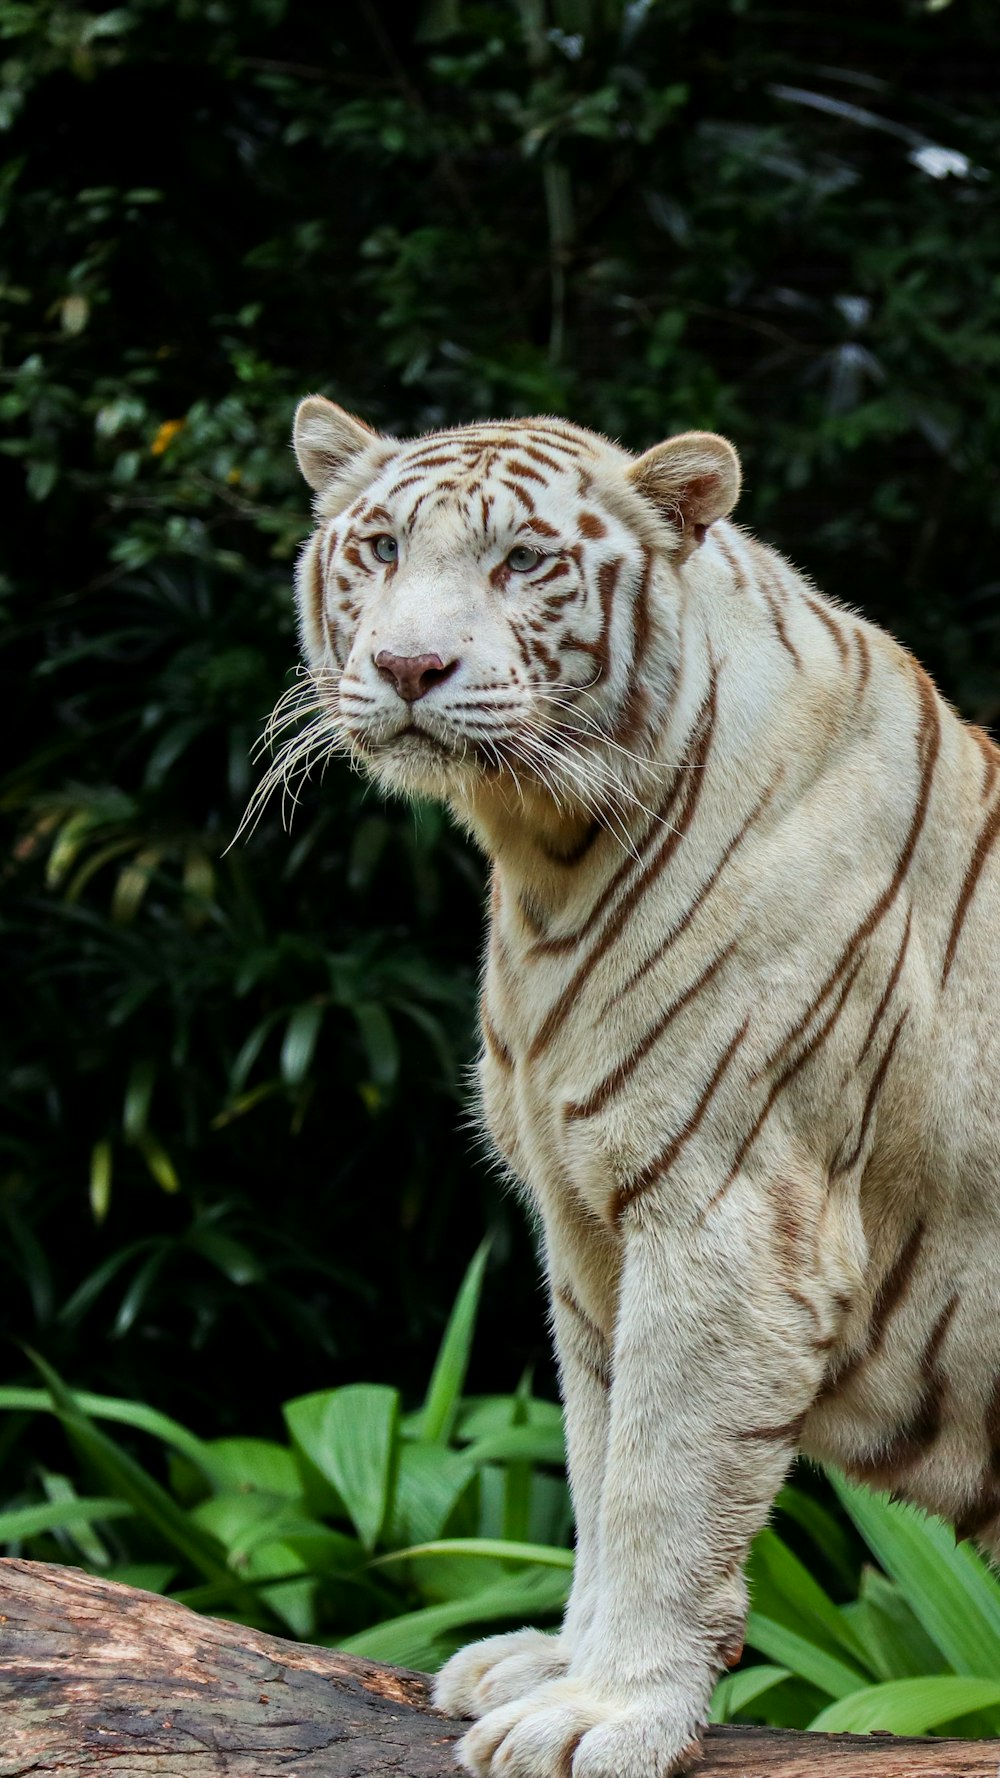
[741, 1018]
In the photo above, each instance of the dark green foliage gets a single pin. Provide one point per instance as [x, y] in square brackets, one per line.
[231, 1093]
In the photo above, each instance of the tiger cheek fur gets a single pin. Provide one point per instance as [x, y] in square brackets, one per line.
[740, 1017]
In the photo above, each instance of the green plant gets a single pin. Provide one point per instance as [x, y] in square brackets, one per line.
[400, 1535]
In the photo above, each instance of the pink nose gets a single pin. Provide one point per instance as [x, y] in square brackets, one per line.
[413, 675]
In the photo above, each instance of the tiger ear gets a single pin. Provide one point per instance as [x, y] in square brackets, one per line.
[327, 439]
[692, 480]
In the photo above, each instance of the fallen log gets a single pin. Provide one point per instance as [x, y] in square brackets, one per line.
[104, 1681]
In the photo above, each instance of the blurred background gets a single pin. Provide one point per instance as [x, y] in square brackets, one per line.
[235, 1166]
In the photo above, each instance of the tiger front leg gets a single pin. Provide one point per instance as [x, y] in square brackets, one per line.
[713, 1371]
[501, 1669]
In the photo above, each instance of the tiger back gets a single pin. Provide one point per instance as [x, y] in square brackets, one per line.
[740, 1016]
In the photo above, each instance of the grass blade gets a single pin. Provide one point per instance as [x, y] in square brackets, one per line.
[448, 1376]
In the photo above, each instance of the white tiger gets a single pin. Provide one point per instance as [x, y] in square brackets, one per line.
[740, 1017]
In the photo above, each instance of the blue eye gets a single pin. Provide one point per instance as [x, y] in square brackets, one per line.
[386, 548]
[522, 559]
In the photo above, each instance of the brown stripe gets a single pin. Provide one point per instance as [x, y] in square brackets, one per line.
[590, 525]
[703, 893]
[620, 912]
[634, 715]
[525, 472]
[991, 757]
[658, 1169]
[538, 456]
[789, 1434]
[791, 1069]
[864, 666]
[826, 618]
[928, 747]
[985, 841]
[597, 1368]
[613, 1082]
[316, 586]
[699, 740]
[877, 1082]
[779, 624]
[890, 989]
[889, 1295]
[735, 564]
[908, 1443]
[494, 1042]
[522, 493]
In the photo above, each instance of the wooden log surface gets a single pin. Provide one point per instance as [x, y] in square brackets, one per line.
[104, 1681]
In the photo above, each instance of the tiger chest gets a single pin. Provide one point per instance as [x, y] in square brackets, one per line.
[570, 1126]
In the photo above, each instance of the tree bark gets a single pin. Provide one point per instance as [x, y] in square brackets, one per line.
[104, 1681]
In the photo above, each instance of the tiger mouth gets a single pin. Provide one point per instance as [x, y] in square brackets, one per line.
[417, 741]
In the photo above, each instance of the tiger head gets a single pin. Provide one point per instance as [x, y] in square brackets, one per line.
[487, 611]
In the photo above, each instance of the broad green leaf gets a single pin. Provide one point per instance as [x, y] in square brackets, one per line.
[59, 1515]
[908, 1706]
[736, 1691]
[407, 1640]
[305, 1418]
[258, 1464]
[813, 1607]
[788, 1649]
[483, 1416]
[352, 1439]
[448, 1375]
[430, 1481]
[898, 1645]
[949, 1588]
[520, 1444]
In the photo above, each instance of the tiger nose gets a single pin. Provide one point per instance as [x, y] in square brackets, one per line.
[413, 675]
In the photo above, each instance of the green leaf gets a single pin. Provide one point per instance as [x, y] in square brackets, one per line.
[59, 1515]
[409, 1640]
[524, 1444]
[129, 1483]
[949, 1588]
[258, 1464]
[812, 1607]
[789, 1649]
[125, 1413]
[494, 1549]
[350, 1437]
[908, 1706]
[379, 1040]
[101, 1168]
[299, 1042]
[430, 1481]
[448, 1376]
[735, 1691]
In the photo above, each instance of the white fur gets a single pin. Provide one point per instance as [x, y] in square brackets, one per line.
[783, 931]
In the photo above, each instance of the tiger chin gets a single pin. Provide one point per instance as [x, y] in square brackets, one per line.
[740, 1017]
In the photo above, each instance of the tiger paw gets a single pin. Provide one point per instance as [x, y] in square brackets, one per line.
[498, 1670]
[565, 1730]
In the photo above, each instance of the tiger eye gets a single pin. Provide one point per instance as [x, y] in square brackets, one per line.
[386, 548]
[522, 559]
